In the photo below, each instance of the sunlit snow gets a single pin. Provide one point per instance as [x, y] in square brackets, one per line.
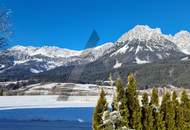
[139, 61]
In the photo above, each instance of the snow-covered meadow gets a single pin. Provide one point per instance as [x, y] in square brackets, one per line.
[46, 101]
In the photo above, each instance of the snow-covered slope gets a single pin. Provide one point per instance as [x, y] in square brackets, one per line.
[140, 45]
[143, 44]
[98, 51]
[39, 59]
[142, 33]
[49, 51]
[182, 40]
[145, 33]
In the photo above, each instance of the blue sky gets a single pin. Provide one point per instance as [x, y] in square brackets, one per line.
[69, 23]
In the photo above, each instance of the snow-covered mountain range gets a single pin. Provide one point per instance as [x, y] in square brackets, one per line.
[143, 44]
[145, 33]
[39, 59]
[139, 45]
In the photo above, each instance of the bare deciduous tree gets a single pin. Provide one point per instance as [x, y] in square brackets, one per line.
[5, 26]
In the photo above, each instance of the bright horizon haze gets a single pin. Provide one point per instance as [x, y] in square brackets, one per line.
[69, 23]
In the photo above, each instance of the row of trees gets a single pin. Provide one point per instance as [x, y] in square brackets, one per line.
[131, 111]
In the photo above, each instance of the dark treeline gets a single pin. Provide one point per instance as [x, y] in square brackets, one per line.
[130, 112]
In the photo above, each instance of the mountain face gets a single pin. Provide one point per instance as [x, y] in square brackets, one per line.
[25, 61]
[182, 40]
[145, 45]
[144, 51]
[140, 50]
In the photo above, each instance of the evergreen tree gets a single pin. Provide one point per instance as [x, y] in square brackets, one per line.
[165, 100]
[154, 97]
[118, 96]
[145, 101]
[120, 92]
[136, 116]
[160, 123]
[185, 108]
[170, 116]
[150, 118]
[145, 104]
[131, 95]
[174, 97]
[124, 113]
[127, 113]
[176, 107]
[147, 118]
[180, 120]
[155, 106]
[168, 112]
[120, 103]
[133, 104]
[101, 107]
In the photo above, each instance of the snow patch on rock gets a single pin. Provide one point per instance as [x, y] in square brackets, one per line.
[142, 33]
[138, 49]
[159, 56]
[139, 61]
[185, 59]
[2, 66]
[117, 65]
[121, 50]
[35, 71]
[182, 40]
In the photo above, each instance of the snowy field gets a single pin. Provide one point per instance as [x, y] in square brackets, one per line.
[56, 89]
[46, 101]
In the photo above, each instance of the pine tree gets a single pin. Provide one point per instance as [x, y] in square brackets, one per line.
[120, 92]
[131, 95]
[133, 104]
[118, 96]
[170, 116]
[185, 107]
[136, 117]
[160, 123]
[147, 118]
[180, 118]
[127, 113]
[124, 113]
[120, 103]
[145, 101]
[174, 97]
[155, 106]
[175, 103]
[168, 112]
[145, 104]
[165, 100]
[101, 107]
[154, 97]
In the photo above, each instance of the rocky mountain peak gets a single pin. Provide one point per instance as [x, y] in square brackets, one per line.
[142, 33]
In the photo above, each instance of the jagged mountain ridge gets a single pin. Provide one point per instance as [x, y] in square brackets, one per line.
[28, 60]
[145, 33]
[143, 51]
[143, 44]
[139, 45]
